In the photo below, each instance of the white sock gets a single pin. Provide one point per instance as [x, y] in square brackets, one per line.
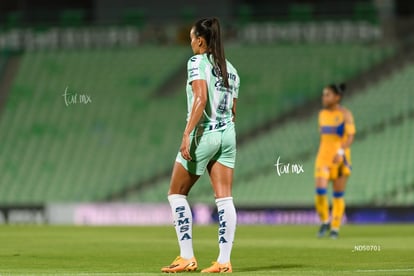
[183, 223]
[227, 227]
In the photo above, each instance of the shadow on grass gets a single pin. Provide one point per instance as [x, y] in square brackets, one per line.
[269, 267]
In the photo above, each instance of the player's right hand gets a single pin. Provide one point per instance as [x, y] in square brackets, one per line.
[185, 147]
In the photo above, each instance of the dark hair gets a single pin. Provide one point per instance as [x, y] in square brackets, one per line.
[209, 29]
[338, 89]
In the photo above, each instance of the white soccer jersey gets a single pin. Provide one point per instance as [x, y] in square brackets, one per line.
[218, 111]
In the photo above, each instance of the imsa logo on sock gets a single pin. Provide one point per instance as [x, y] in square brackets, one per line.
[222, 227]
[183, 222]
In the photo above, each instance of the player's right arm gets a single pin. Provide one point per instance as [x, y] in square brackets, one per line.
[199, 88]
[197, 79]
[320, 122]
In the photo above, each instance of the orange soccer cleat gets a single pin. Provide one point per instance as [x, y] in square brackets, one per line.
[181, 265]
[218, 268]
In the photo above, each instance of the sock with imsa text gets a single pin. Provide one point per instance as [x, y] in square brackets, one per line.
[227, 227]
[183, 222]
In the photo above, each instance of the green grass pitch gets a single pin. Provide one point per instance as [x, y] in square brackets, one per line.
[258, 250]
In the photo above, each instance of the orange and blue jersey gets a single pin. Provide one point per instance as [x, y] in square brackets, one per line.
[334, 130]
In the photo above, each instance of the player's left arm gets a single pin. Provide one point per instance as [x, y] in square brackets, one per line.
[349, 129]
[349, 134]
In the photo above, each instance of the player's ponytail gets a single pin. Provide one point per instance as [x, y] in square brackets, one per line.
[217, 50]
[338, 89]
[209, 28]
[341, 88]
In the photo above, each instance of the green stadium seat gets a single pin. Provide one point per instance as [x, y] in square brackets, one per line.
[72, 18]
[301, 12]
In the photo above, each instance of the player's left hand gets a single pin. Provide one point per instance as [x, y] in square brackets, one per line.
[185, 147]
[337, 159]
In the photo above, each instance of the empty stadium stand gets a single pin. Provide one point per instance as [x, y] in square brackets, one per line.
[382, 166]
[55, 151]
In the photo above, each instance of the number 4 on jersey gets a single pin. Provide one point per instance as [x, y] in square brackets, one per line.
[224, 103]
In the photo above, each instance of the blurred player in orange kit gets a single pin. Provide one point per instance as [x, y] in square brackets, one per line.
[333, 162]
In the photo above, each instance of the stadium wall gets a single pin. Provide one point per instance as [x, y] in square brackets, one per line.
[160, 214]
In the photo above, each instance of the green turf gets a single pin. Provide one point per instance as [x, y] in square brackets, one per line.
[258, 250]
